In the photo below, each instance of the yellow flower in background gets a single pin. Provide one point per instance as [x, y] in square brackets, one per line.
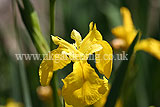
[149, 45]
[82, 86]
[12, 103]
[126, 33]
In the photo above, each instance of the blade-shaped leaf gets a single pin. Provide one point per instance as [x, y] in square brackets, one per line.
[31, 21]
[119, 77]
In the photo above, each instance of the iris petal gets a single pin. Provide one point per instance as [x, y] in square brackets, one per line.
[119, 32]
[75, 35]
[52, 62]
[149, 45]
[93, 35]
[104, 59]
[127, 19]
[70, 49]
[83, 86]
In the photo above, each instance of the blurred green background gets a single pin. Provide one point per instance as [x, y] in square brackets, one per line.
[142, 90]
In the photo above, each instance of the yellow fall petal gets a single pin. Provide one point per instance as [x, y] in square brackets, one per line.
[53, 61]
[149, 45]
[62, 43]
[104, 59]
[83, 86]
[102, 101]
[69, 49]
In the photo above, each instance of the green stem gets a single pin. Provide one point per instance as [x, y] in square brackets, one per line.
[56, 99]
[25, 87]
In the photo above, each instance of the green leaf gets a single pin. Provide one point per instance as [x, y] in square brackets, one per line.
[120, 76]
[56, 102]
[21, 69]
[142, 63]
[31, 22]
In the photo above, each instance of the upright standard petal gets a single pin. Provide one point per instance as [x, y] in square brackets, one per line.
[149, 45]
[75, 35]
[93, 35]
[119, 32]
[83, 86]
[130, 31]
[104, 59]
[127, 19]
[53, 61]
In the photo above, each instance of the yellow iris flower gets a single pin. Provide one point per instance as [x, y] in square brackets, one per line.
[126, 33]
[82, 86]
